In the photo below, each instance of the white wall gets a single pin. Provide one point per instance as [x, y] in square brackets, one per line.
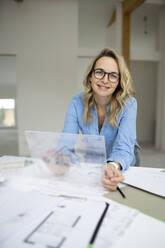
[145, 73]
[8, 142]
[140, 41]
[44, 37]
[82, 66]
[93, 34]
[160, 108]
[8, 136]
[94, 16]
[145, 79]
[7, 76]
[8, 27]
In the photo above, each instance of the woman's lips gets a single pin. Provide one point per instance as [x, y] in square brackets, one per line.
[103, 87]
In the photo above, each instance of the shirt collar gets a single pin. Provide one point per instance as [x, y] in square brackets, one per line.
[108, 107]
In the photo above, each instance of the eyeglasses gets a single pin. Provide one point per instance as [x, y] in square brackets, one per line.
[112, 76]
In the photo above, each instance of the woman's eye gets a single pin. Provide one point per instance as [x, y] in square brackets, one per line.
[115, 76]
[99, 72]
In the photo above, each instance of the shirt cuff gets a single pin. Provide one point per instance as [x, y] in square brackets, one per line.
[120, 161]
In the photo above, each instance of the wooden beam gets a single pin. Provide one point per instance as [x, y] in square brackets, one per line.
[126, 38]
[128, 6]
[131, 5]
[113, 19]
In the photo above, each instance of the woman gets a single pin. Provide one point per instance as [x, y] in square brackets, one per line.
[107, 107]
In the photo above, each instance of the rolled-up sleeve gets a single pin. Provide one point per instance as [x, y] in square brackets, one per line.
[123, 145]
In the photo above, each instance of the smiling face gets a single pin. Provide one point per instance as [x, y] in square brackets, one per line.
[106, 86]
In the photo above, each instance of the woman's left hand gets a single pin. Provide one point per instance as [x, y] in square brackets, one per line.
[57, 162]
[112, 177]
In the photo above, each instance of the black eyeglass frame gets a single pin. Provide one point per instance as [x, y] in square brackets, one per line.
[107, 73]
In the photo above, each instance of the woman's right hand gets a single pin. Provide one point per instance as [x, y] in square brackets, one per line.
[112, 177]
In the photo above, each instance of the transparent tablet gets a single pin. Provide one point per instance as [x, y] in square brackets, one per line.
[78, 158]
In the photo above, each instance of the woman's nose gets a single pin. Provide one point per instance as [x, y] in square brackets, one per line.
[105, 79]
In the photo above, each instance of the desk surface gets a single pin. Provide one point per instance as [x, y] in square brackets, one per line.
[147, 203]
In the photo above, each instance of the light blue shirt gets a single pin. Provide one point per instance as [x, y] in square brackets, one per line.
[120, 142]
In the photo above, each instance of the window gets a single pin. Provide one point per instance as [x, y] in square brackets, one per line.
[7, 113]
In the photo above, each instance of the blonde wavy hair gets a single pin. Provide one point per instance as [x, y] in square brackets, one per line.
[123, 91]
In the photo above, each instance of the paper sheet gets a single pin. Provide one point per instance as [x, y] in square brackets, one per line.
[115, 225]
[144, 231]
[68, 222]
[47, 222]
[54, 186]
[149, 179]
[126, 227]
[18, 209]
[13, 165]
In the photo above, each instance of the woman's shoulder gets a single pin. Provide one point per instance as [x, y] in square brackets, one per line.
[78, 99]
[130, 106]
[131, 101]
[77, 102]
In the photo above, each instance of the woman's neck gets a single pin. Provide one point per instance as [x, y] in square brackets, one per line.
[101, 102]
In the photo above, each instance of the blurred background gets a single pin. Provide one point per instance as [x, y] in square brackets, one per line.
[45, 47]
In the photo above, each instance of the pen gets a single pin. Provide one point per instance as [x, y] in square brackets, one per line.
[90, 245]
[122, 194]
